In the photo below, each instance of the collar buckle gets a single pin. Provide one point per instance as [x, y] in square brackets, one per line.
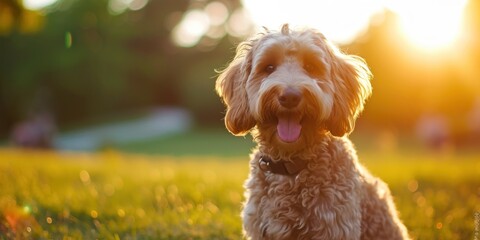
[281, 167]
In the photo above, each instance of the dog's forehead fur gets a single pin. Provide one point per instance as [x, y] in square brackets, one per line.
[294, 43]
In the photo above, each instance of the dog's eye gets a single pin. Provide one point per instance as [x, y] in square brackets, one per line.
[269, 68]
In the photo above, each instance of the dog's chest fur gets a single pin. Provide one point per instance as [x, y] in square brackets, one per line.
[315, 203]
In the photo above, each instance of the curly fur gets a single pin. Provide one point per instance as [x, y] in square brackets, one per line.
[334, 197]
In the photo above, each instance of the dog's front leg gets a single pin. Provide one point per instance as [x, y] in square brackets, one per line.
[253, 226]
[252, 220]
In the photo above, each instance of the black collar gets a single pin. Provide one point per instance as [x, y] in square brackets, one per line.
[289, 168]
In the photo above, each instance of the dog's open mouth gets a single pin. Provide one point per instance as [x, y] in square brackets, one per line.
[289, 127]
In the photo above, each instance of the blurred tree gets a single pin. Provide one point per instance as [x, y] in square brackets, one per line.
[13, 16]
[409, 82]
[14, 19]
[95, 60]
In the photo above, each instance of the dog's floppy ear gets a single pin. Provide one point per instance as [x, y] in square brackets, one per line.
[230, 86]
[351, 79]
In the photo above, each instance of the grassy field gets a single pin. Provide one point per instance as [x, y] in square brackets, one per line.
[113, 195]
[198, 142]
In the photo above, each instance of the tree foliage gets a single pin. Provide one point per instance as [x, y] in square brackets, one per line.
[90, 62]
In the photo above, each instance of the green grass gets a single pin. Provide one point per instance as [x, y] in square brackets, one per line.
[112, 195]
[205, 142]
[48, 195]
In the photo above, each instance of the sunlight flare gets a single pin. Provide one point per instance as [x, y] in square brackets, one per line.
[333, 18]
[427, 24]
[430, 24]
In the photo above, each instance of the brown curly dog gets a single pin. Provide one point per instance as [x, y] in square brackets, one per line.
[298, 96]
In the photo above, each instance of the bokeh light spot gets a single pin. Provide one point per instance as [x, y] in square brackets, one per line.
[137, 4]
[27, 209]
[421, 201]
[189, 31]
[84, 176]
[37, 4]
[94, 214]
[121, 212]
[412, 185]
[68, 40]
[119, 6]
[439, 225]
[239, 24]
[217, 12]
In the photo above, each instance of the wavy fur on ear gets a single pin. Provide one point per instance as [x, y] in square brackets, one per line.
[351, 77]
[230, 86]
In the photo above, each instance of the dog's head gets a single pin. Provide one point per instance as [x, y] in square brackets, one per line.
[292, 86]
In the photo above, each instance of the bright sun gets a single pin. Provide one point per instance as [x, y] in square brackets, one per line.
[430, 24]
[427, 24]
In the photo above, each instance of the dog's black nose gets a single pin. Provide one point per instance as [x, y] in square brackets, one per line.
[290, 97]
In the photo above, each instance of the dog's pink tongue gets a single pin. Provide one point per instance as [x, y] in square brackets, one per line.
[289, 128]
